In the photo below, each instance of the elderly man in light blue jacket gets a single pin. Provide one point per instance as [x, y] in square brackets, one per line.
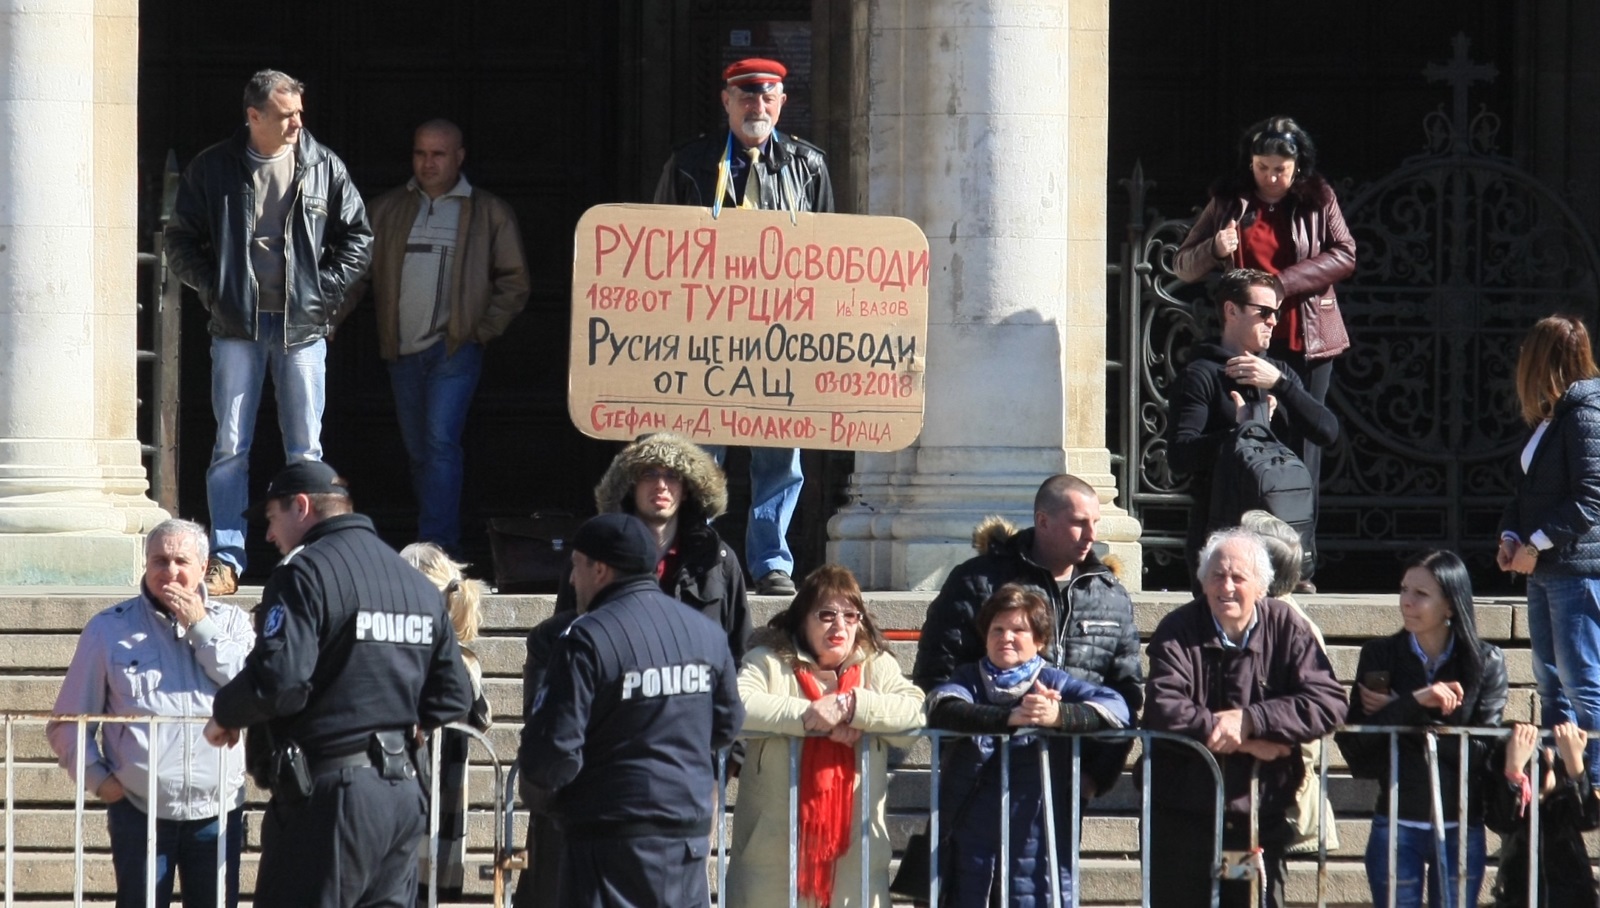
[164, 652]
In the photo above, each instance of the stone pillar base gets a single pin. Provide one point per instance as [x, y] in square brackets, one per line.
[912, 513]
[62, 559]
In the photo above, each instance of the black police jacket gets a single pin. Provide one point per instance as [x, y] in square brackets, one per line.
[350, 640]
[792, 171]
[708, 579]
[639, 693]
[329, 242]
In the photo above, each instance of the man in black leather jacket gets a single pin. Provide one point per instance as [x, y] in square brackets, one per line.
[1096, 640]
[269, 231]
[790, 175]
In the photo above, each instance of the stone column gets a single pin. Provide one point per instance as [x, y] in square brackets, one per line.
[986, 124]
[72, 501]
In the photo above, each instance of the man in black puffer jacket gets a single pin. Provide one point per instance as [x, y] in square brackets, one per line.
[1095, 637]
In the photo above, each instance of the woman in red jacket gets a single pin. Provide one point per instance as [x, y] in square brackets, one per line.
[1277, 214]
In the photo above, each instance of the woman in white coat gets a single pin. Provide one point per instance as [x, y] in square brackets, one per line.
[820, 671]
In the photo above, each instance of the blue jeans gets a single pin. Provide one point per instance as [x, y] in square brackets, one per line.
[432, 392]
[1415, 850]
[1564, 629]
[188, 847]
[775, 481]
[237, 370]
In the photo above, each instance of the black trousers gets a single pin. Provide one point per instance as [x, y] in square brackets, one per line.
[1316, 376]
[539, 885]
[635, 872]
[1181, 842]
[352, 844]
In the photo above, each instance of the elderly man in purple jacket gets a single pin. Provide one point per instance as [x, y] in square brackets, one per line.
[1243, 675]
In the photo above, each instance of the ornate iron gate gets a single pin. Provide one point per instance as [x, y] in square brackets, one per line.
[1459, 251]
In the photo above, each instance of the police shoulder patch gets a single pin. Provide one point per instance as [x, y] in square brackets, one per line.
[274, 623]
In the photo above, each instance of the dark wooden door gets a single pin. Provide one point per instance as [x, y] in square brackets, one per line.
[532, 86]
[564, 106]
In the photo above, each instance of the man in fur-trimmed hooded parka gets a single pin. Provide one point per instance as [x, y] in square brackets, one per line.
[1095, 637]
[676, 488]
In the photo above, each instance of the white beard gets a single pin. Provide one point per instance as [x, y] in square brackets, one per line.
[756, 129]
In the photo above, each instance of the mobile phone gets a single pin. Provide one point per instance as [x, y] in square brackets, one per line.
[1377, 682]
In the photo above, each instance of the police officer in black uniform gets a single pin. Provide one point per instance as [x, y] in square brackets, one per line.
[640, 693]
[354, 654]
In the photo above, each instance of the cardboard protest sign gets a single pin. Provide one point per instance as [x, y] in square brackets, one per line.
[749, 329]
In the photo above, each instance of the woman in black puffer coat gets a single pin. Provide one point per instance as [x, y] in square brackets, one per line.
[1551, 530]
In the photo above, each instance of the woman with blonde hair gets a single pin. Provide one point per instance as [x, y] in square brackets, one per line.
[821, 671]
[1551, 530]
[464, 598]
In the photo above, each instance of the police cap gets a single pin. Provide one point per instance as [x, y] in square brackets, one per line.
[306, 477]
[620, 540]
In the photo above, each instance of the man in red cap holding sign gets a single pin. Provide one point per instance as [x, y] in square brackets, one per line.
[752, 165]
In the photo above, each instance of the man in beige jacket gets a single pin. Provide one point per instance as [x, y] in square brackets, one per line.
[448, 276]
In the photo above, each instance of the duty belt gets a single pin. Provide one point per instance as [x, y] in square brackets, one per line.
[333, 764]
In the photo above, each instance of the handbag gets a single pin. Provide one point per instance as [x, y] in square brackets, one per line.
[530, 553]
[911, 879]
[1323, 327]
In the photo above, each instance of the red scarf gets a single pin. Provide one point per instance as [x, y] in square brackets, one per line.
[827, 781]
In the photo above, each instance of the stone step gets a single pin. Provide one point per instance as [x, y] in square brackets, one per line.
[40, 779]
[38, 635]
[1104, 880]
[37, 693]
[502, 657]
[53, 830]
[1341, 616]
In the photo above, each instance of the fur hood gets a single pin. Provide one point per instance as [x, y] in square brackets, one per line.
[991, 532]
[704, 486]
[994, 534]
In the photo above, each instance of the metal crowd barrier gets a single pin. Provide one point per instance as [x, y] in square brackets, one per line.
[1003, 859]
[1463, 738]
[506, 861]
[502, 809]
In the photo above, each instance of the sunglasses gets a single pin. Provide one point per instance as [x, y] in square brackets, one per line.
[1267, 313]
[829, 616]
[660, 475]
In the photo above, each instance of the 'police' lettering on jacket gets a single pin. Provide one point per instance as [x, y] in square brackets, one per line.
[667, 681]
[394, 627]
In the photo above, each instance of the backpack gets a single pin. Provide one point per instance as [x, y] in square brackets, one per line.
[1256, 470]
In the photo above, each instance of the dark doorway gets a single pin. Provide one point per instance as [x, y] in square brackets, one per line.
[1417, 109]
[560, 107]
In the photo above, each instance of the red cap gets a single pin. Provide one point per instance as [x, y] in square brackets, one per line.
[756, 75]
